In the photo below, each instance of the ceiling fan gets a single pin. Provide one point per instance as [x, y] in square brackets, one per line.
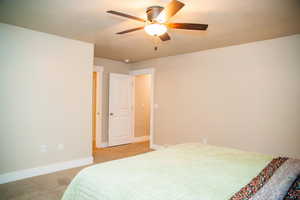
[157, 21]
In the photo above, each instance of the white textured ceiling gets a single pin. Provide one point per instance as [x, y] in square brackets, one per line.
[230, 22]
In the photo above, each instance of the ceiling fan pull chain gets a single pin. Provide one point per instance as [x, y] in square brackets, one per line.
[156, 42]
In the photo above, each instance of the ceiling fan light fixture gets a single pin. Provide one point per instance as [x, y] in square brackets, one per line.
[155, 29]
[157, 23]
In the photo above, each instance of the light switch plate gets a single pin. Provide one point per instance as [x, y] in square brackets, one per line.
[60, 147]
[43, 148]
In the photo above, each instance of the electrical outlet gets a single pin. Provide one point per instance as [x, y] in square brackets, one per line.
[60, 147]
[204, 141]
[43, 148]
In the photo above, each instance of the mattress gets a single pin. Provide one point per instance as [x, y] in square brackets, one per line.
[181, 172]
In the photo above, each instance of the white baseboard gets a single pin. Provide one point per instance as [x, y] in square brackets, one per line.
[104, 144]
[27, 173]
[141, 139]
[135, 139]
[156, 147]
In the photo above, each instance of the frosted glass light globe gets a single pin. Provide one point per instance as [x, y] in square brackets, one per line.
[155, 29]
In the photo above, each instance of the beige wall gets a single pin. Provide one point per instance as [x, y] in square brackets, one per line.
[245, 96]
[45, 84]
[142, 105]
[110, 66]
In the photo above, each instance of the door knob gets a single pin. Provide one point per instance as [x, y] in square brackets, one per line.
[111, 114]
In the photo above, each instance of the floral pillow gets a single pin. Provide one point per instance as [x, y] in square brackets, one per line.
[294, 191]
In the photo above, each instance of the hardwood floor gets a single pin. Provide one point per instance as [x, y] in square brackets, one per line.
[52, 186]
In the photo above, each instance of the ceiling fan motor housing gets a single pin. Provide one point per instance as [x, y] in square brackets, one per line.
[153, 12]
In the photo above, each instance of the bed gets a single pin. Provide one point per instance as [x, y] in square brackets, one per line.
[187, 172]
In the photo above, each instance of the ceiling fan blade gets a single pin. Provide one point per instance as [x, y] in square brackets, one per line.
[125, 15]
[169, 11]
[165, 37]
[188, 26]
[131, 30]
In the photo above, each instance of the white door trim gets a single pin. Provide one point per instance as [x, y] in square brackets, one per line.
[150, 71]
[99, 104]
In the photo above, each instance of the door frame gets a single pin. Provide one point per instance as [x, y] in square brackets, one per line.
[145, 71]
[99, 104]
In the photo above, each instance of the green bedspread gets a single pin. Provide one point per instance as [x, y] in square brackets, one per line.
[181, 172]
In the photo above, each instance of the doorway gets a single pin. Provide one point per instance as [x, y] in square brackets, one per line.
[131, 107]
[97, 86]
[141, 99]
[143, 105]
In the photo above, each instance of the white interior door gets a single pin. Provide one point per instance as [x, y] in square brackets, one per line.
[120, 109]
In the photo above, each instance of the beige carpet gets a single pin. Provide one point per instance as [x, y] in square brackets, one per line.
[52, 186]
